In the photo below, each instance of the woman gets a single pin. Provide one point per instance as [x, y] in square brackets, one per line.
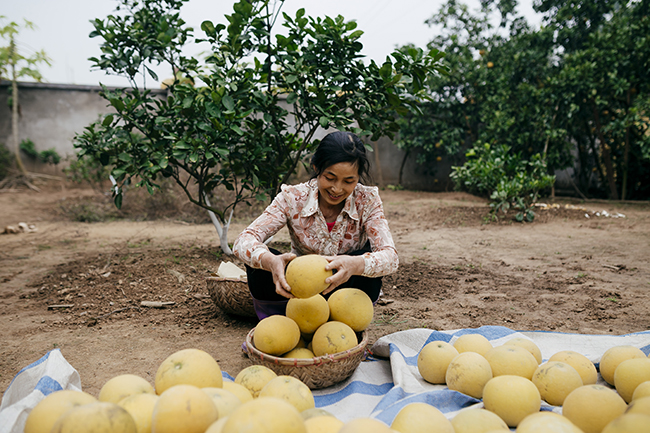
[332, 215]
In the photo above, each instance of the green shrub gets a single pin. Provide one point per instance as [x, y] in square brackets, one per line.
[49, 156]
[508, 180]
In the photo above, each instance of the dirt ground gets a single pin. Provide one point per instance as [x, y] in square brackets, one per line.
[580, 267]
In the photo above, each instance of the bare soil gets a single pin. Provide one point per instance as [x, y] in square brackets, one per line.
[580, 267]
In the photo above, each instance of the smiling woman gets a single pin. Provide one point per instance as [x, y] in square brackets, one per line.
[333, 215]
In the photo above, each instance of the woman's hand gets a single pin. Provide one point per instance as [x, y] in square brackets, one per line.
[276, 265]
[345, 266]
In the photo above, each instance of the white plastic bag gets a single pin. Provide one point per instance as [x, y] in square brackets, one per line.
[50, 373]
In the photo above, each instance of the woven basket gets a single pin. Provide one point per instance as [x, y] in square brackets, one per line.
[231, 295]
[316, 373]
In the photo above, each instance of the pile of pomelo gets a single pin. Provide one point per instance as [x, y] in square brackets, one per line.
[314, 326]
[512, 381]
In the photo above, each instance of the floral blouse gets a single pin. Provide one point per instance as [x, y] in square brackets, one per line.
[296, 206]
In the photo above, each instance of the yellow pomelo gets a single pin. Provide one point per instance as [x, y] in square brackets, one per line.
[629, 374]
[308, 313]
[555, 380]
[614, 356]
[352, 307]
[323, 424]
[290, 389]
[472, 343]
[527, 344]
[643, 390]
[629, 423]
[512, 398]
[511, 360]
[254, 377]
[276, 335]
[433, 360]
[421, 418]
[314, 412]
[477, 421]
[299, 353]
[547, 422]
[592, 407]
[468, 373]
[306, 275]
[239, 390]
[364, 425]
[183, 408]
[118, 387]
[217, 426]
[225, 401]
[98, 417]
[188, 367]
[140, 407]
[265, 415]
[639, 405]
[333, 337]
[43, 416]
[585, 368]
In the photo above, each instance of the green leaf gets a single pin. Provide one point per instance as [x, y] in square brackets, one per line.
[107, 121]
[117, 199]
[292, 98]
[228, 102]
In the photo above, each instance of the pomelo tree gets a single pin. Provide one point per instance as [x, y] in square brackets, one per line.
[243, 118]
[14, 65]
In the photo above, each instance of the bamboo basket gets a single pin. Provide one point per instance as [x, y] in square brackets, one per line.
[231, 295]
[316, 373]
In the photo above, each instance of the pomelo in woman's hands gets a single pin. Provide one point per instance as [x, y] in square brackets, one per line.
[306, 275]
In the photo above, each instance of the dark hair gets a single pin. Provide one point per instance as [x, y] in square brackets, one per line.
[338, 147]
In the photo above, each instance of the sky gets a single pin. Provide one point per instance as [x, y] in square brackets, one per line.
[63, 26]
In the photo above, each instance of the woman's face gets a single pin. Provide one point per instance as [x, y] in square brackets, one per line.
[337, 182]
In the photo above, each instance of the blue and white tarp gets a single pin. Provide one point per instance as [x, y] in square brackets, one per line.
[50, 373]
[379, 388]
[390, 380]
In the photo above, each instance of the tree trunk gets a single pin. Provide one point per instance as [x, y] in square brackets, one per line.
[14, 107]
[626, 154]
[401, 168]
[607, 157]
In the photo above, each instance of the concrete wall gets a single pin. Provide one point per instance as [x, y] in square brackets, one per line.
[52, 114]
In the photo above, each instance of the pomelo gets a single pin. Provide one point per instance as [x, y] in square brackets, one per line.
[183, 408]
[333, 337]
[276, 335]
[511, 397]
[511, 360]
[290, 389]
[47, 411]
[265, 415]
[188, 367]
[433, 360]
[421, 418]
[614, 356]
[585, 368]
[477, 421]
[306, 275]
[472, 343]
[98, 417]
[308, 313]
[592, 407]
[124, 385]
[352, 307]
[555, 380]
[468, 373]
[254, 377]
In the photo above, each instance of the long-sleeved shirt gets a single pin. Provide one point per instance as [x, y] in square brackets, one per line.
[296, 206]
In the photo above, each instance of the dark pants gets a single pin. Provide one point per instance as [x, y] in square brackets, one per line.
[268, 302]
